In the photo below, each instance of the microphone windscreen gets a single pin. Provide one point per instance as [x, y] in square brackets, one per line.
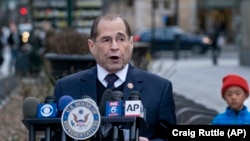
[117, 95]
[86, 96]
[106, 96]
[89, 99]
[50, 99]
[63, 102]
[134, 95]
[30, 107]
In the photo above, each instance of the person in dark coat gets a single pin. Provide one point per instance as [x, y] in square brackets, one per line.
[216, 50]
[15, 43]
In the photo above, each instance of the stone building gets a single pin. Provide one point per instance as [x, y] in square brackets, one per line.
[195, 16]
[244, 34]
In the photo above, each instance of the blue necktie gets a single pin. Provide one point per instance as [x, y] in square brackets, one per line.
[111, 78]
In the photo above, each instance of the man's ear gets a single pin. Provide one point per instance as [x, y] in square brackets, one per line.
[91, 46]
[131, 41]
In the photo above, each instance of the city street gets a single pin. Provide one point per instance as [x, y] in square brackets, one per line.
[197, 79]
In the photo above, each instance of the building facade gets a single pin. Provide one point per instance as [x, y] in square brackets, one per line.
[243, 37]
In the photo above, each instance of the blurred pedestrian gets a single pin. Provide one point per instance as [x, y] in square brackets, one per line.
[235, 90]
[35, 56]
[1, 46]
[46, 34]
[215, 48]
[15, 42]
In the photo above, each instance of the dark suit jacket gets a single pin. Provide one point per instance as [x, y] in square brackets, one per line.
[156, 96]
[11, 41]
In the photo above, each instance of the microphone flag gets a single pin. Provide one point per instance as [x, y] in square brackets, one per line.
[114, 108]
[48, 109]
[134, 108]
[81, 119]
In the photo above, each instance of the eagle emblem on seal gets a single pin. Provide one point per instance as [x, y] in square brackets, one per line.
[80, 121]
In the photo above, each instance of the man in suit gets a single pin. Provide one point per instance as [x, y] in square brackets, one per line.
[111, 43]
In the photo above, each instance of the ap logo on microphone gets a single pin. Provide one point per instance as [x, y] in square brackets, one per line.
[81, 119]
[134, 108]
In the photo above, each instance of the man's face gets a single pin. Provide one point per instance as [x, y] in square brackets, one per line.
[112, 47]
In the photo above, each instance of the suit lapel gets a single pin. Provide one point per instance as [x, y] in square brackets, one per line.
[133, 82]
[88, 84]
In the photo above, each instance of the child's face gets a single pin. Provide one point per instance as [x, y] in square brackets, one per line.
[235, 97]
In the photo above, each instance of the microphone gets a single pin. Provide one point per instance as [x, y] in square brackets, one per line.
[89, 99]
[115, 106]
[30, 107]
[134, 107]
[63, 102]
[106, 96]
[48, 109]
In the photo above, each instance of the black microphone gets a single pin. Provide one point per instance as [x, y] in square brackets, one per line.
[105, 128]
[48, 109]
[115, 108]
[106, 96]
[134, 95]
[134, 107]
[30, 107]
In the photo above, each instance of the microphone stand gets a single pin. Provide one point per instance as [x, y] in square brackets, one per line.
[132, 134]
[115, 132]
[116, 96]
[134, 131]
[63, 135]
[47, 134]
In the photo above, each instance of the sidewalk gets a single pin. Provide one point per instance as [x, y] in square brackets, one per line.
[197, 79]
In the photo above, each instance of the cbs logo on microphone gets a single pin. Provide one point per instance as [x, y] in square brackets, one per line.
[47, 110]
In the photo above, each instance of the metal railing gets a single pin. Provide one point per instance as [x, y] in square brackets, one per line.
[189, 112]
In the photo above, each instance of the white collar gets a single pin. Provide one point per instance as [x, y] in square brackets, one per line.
[101, 74]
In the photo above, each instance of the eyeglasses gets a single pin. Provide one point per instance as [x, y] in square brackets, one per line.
[107, 41]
